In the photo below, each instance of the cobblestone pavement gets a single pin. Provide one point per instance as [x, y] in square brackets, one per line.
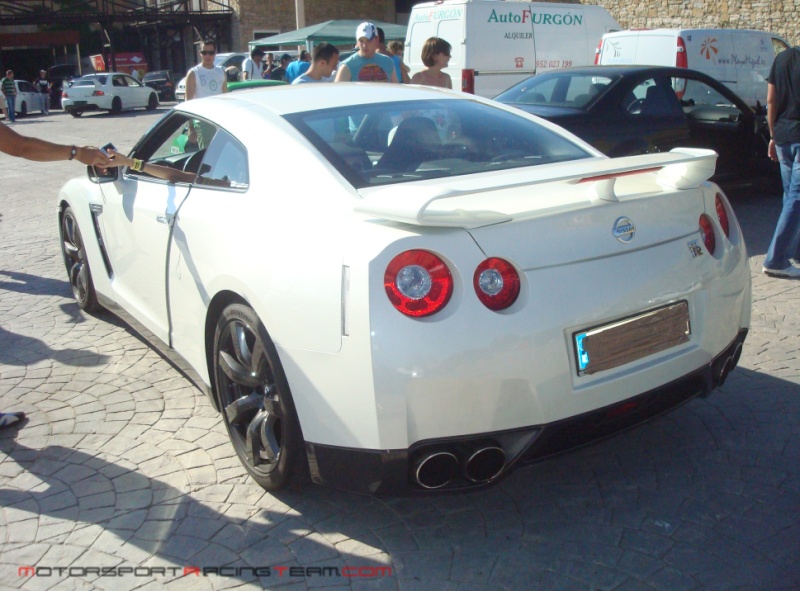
[122, 463]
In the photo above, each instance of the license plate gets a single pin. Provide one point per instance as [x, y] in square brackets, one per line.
[629, 339]
[79, 104]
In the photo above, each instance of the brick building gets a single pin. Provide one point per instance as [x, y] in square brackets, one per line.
[255, 19]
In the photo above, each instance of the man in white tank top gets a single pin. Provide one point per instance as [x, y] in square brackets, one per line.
[206, 79]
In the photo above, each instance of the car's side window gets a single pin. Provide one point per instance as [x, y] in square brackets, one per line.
[179, 142]
[225, 163]
[653, 99]
[702, 102]
[128, 81]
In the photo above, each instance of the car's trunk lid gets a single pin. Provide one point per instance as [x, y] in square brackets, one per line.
[600, 207]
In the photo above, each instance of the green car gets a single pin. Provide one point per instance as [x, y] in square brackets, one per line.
[258, 83]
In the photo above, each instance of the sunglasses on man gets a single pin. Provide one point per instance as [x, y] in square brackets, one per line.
[207, 52]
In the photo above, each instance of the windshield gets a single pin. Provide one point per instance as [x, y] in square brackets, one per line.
[406, 141]
[564, 89]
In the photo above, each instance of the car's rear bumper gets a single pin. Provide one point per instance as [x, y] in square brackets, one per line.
[84, 108]
[397, 472]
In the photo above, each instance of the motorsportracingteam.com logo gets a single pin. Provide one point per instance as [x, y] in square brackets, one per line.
[356, 572]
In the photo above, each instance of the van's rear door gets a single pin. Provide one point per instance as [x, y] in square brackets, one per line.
[501, 47]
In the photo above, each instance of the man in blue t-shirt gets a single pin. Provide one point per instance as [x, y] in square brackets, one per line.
[366, 64]
[298, 67]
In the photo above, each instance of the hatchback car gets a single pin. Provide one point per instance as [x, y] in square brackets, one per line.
[624, 110]
[448, 288]
[28, 99]
[163, 82]
[109, 91]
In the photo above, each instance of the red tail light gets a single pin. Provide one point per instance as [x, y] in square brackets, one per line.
[722, 214]
[98, 93]
[597, 53]
[496, 283]
[418, 283]
[468, 81]
[681, 60]
[707, 232]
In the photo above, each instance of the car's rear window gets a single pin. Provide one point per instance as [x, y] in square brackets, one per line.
[90, 81]
[406, 141]
[559, 89]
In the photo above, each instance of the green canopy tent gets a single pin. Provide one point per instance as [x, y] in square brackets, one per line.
[337, 32]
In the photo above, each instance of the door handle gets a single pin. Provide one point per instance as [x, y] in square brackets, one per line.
[166, 219]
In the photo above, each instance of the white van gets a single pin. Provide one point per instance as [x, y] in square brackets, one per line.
[739, 58]
[496, 44]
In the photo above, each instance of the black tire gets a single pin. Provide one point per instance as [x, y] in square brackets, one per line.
[78, 272]
[75, 112]
[152, 102]
[256, 404]
[23, 109]
[116, 105]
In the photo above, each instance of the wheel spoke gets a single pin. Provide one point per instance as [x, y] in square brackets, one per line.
[236, 372]
[271, 446]
[253, 444]
[241, 408]
[78, 280]
[240, 345]
[71, 250]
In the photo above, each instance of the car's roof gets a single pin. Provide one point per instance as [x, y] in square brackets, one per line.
[626, 69]
[297, 98]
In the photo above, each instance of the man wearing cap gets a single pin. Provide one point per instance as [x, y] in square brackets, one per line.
[253, 67]
[366, 64]
[279, 73]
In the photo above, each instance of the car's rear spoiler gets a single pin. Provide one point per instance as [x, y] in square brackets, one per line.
[682, 168]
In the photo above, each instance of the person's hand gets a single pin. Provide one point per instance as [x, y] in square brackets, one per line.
[92, 157]
[116, 159]
[772, 151]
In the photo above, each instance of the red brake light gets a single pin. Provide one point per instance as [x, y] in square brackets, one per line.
[468, 81]
[681, 61]
[707, 232]
[496, 283]
[597, 53]
[418, 283]
[722, 214]
[98, 93]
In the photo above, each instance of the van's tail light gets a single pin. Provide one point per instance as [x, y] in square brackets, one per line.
[722, 215]
[707, 232]
[597, 52]
[681, 60]
[418, 283]
[468, 81]
[496, 283]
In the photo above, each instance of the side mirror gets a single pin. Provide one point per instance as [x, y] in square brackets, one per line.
[102, 175]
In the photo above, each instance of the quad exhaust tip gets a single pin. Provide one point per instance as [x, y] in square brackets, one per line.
[438, 469]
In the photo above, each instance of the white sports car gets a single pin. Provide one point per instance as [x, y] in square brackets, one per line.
[108, 91]
[433, 290]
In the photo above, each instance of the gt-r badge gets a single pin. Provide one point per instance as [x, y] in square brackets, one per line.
[624, 229]
[695, 249]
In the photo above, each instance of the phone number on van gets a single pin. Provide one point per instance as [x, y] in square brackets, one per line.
[553, 63]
